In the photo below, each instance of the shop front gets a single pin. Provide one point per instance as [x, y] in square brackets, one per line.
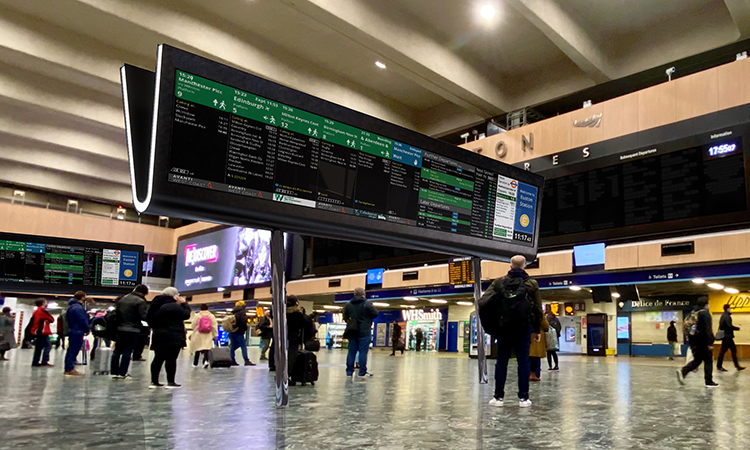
[740, 304]
[642, 324]
[426, 323]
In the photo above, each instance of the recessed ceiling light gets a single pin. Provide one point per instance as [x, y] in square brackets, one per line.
[698, 280]
[615, 295]
[380, 65]
[465, 303]
[488, 12]
[382, 305]
[331, 307]
[436, 300]
[716, 286]
[265, 303]
[731, 291]
[219, 289]
[411, 299]
[408, 306]
[574, 288]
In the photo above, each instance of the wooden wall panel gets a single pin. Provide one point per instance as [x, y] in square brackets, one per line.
[580, 136]
[734, 84]
[657, 106]
[556, 263]
[620, 257]
[312, 286]
[735, 246]
[620, 116]
[554, 135]
[697, 94]
[706, 250]
[427, 276]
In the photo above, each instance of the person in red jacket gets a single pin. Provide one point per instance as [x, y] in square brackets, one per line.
[40, 329]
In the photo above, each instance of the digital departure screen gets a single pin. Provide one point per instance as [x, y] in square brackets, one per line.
[45, 263]
[695, 182]
[229, 140]
[460, 272]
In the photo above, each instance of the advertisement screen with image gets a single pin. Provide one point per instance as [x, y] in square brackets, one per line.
[228, 257]
[589, 255]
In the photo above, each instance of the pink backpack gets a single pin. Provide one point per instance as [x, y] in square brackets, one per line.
[205, 325]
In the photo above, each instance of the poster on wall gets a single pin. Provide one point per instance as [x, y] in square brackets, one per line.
[570, 334]
[623, 327]
[380, 340]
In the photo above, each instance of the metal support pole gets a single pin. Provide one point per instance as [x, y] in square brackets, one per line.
[481, 356]
[278, 294]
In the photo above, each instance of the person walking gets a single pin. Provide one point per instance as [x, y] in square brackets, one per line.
[205, 330]
[78, 326]
[7, 333]
[672, 339]
[40, 328]
[518, 295]
[726, 334]
[419, 337]
[358, 315]
[553, 345]
[265, 331]
[131, 310]
[237, 336]
[396, 339]
[537, 351]
[166, 316]
[299, 329]
[700, 333]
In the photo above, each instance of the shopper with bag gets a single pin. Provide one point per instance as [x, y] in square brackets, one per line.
[553, 345]
[205, 330]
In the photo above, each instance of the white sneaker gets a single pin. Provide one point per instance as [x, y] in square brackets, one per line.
[524, 403]
[127, 377]
[496, 402]
[116, 377]
[195, 365]
[206, 365]
[680, 377]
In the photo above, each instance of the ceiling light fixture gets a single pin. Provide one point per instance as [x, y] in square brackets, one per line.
[220, 289]
[331, 307]
[380, 65]
[437, 300]
[615, 295]
[488, 12]
[465, 303]
[411, 299]
[382, 305]
[408, 306]
[698, 280]
[716, 286]
[265, 303]
[731, 291]
[574, 288]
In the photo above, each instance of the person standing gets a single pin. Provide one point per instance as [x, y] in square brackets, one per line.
[40, 328]
[672, 339]
[537, 351]
[358, 315]
[78, 326]
[396, 339]
[237, 336]
[727, 341]
[554, 322]
[553, 345]
[299, 329]
[517, 331]
[205, 330]
[419, 336]
[7, 333]
[701, 339]
[265, 330]
[131, 310]
[166, 316]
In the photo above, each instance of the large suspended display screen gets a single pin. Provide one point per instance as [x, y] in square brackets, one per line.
[264, 149]
[226, 146]
[45, 264]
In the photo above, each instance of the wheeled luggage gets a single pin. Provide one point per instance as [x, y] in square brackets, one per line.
[305, 369]
[220, 357]
[102, 359]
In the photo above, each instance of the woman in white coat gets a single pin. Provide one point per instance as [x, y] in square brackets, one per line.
[205, 330]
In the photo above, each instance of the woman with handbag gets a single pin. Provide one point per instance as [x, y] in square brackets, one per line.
[7, 333]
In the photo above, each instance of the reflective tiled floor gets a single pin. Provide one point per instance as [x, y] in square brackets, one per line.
[419, 401]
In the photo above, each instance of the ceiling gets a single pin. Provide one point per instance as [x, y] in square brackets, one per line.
[61, 120]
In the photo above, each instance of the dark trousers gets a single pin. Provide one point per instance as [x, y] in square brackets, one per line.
[395, 346]
[519, 345]
[42, 347]
[419, 344]
[167, 358]
[701, 354]
[198, 355]
[124, 346]
[361, 345]
[237, 341]
[291, 356]
[75, 344]
[142, 343]
[727, 344]
[535, 365]
[552, 354]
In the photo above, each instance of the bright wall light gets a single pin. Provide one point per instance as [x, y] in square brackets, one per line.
[574, 288]
[380, 65]
[716, 286]
[382, 305]
[331, 307]
[265, 303]
[411, 299]
[488, 12]
[408, 306]
[731, 291]
[436, 300]
[615, 295]
[465, 303]
[698, 280]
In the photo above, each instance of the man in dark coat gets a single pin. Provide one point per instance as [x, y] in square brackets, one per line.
[701, 340]
[358, 315]
[396, 339]
[727, 342]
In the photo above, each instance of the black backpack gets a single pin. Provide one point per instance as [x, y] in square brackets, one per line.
[507, 309]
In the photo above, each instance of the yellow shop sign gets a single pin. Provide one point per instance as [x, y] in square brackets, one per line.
[739, 302]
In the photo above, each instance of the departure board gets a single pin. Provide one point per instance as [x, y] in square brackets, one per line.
[695, 182]
[37, 261]
[460, 272]
[229, 140]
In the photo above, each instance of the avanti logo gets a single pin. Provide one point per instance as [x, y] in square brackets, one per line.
[195, 254]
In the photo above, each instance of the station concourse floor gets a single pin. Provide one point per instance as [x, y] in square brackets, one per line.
[416, 401]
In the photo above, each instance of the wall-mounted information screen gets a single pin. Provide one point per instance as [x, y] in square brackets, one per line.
[45, 264]
[229, 147]
[460, 272]
[265, 149]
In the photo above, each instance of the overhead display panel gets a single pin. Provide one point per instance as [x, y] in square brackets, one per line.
[45, 264]
[231, 147]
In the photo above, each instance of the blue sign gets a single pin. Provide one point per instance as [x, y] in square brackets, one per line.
[525, 208]
[407, 154]
[375, 276]
[128, 266]
[589, 255]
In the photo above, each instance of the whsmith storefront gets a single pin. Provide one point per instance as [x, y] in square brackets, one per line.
[642, 324]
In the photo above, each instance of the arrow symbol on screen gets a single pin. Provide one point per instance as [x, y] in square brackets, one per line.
[216, 102]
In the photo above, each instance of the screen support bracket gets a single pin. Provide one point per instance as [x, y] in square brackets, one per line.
[481, 354]
[278, 295]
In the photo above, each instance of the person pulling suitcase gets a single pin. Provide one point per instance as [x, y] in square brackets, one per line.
[299, 330]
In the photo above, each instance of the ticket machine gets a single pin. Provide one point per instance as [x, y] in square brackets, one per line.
[596, 329]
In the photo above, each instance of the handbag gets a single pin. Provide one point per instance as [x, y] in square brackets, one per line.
[720, 335]
[351, 331]
[313, 345]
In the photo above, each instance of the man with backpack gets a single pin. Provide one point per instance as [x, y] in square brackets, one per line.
[511, 311]
[358, 315]
[130, 312]
[699, 329]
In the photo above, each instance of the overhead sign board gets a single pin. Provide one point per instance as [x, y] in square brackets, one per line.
[225, 146]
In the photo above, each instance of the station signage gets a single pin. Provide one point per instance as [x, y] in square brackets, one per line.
[421, 314]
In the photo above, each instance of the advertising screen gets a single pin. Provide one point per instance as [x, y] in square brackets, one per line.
[46, 264]
[228, 257]
[623, 327]
[589, 255]
[375, 276]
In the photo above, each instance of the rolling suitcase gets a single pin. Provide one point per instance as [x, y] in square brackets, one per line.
[305, 369]
[102, 359]
[220, 357]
